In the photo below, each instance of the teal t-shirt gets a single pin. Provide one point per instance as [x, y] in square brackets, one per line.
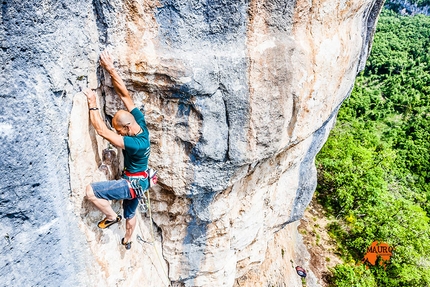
[136, 148]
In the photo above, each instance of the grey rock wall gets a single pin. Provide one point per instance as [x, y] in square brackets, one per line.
[42, 51]
[239, 98]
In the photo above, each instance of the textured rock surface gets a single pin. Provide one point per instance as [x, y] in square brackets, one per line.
[239, 97]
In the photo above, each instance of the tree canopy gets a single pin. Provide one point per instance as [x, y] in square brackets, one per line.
[374, 170]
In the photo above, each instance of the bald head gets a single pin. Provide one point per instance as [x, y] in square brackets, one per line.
[122, 118]
[124, 123]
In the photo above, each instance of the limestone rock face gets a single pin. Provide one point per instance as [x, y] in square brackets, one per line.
[239, 96]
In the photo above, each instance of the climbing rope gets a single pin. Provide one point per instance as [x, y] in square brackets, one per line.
[147, 202]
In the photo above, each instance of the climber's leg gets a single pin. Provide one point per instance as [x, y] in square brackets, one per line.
[102, 204]
[130, 206]
[130, 225]
[100, 193]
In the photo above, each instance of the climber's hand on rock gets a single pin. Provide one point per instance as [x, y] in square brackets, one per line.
[106, 61]
[91, 96]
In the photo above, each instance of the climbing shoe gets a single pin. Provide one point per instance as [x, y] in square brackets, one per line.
[106, 223]
[126, 244]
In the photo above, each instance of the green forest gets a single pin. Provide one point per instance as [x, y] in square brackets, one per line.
[374, 170]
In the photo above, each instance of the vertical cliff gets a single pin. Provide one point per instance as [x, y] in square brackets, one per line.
[239, 97]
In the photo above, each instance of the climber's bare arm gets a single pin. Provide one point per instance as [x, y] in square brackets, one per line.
[106, 62]
[98, 123]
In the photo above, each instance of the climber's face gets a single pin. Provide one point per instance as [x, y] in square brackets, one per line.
[123, 130]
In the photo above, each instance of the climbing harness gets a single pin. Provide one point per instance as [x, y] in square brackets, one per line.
[140, 183]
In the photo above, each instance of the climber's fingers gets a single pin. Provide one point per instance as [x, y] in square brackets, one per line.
[89, 93]
[106, 60]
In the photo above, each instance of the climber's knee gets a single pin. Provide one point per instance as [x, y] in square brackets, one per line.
[89, 193]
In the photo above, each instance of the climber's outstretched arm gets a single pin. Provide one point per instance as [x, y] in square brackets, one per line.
[107, 63]
[98, 123]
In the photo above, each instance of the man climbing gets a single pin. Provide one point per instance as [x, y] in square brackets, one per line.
[133, 138]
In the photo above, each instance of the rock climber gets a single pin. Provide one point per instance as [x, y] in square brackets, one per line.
[132, 137]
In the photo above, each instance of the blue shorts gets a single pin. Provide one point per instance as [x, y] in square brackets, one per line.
[117, 190]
